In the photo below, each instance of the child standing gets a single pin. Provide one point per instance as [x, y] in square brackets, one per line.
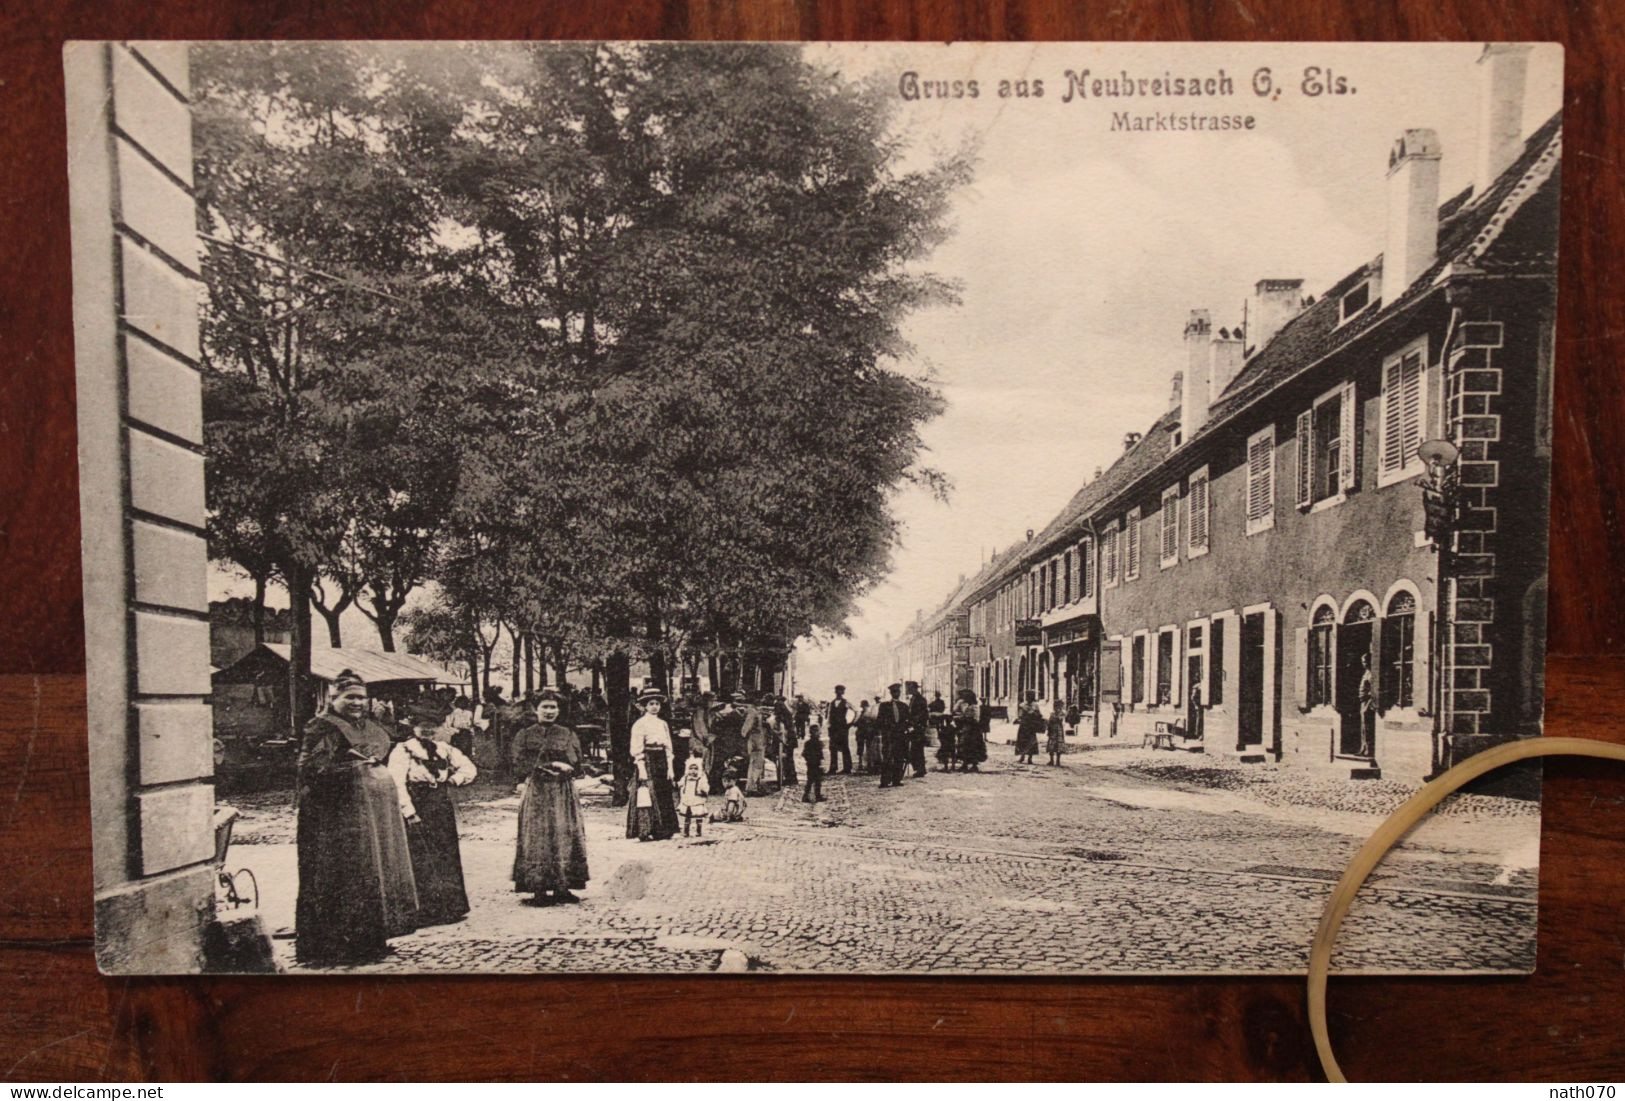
[813, 754]
[691, 792]
[1057, 735]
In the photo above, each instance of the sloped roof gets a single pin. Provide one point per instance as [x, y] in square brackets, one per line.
[1509, 228]
[373, 666]
[1468, 230]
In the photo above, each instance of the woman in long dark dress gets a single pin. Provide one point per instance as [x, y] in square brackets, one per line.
[970, 745]
[425, 771]
[1029, 724]
[356, 888]
[551, 857]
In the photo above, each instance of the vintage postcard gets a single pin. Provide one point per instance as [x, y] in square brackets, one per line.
[871, 508]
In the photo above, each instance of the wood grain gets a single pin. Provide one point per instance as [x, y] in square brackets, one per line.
[65, 1022]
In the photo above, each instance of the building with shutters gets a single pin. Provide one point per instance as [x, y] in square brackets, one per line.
[1246, 559]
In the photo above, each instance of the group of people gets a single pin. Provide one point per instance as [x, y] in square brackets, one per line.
[1031, 722]
[378, 848]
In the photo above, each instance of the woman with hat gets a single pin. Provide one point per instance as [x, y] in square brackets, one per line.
[356, 888]
[425, 771]
[651, 813]
[551, 857]
[970, 744]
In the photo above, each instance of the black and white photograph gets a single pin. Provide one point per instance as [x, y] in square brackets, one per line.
[967, 509]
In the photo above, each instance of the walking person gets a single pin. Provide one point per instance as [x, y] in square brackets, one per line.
[461, 722]
[1029, 722]
[813, 753]
[803, 715]
[892, 729]
[970, 742]
[356, 888]
[1055, 744]
[919, 720]
[785, 762]
[727, 741]
[425, 771]
[651, 813]
[840, 747]
[947, 733]
[550, 859]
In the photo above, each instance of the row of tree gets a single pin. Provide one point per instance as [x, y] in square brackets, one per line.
[596, 345]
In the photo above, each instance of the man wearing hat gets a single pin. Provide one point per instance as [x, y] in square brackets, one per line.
[891, 722]
[727, 739]
[840, 747]
[919, 719]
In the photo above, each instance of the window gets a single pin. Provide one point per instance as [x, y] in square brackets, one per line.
[1137, 671]
[1086, 568]
[1109, 552]
[1319, 657]
[1131, 546]
[1069, 576]
[1054, 582]
[1404, 402]
[1261, 481]
[1196, 514]
[1398, 653]
[1168, 528]
[1327, 435]
[1355, 301]
[1165, 669]
[1215, 664]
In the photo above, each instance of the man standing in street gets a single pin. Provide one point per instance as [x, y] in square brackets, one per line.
[840, 747]
[919, 719]
[803, 713]
[891, 722]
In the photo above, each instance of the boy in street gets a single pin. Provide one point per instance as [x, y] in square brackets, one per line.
[813, 754]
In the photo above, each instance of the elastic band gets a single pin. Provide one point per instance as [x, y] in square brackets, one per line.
[1387, 836]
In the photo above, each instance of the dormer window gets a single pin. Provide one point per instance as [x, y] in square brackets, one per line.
[1355, 301]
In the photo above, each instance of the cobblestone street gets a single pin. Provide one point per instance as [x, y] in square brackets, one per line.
[1122, 860]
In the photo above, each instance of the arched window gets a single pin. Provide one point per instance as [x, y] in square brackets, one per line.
[1398, 652]
[1320, 656]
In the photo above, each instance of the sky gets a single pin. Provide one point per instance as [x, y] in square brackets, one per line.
[1082, 251]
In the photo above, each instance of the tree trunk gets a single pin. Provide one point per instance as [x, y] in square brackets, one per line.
[712, 672]
[513, 633]
[597, 676]
[300, 705]
[332, 617]
[530, 663]
[259, 609]
[386, 628]
[618, 688]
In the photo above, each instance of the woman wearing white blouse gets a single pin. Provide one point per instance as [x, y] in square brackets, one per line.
[651, 813]
[425, 771]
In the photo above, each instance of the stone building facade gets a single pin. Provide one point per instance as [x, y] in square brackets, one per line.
[136, 286]
[1258, 561]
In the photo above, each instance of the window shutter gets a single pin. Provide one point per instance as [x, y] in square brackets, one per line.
[1349, 452]
[1300, 643]
[1196, 526]
[1411, 408]
[1176, 691]
[1306, 458]
[1207, 664]
[1170, 526]
[1131, 549]
[1111, 556]
[1260, 478]
[1392, 430]
[1086, 567]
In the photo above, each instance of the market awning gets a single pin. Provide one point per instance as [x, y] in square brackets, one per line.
[376, 667]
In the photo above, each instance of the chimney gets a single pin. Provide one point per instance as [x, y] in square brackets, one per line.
[1198, 374]
[1501, 71]
[1413, 211]
[1175, 397]
[1096, 478]
[1226, 351]
[1275, 302]
[1029, 535]
[1130, 439]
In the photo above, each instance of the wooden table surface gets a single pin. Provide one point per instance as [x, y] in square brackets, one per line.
[63, 1022]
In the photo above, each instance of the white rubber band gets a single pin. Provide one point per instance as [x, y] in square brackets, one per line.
[1387, 835]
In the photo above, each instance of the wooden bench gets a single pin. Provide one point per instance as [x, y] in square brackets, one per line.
[1162, 735]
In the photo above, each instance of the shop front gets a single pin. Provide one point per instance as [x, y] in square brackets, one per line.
[1073, 650]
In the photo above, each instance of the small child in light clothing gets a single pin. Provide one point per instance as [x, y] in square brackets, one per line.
[733, 807]
[691, 792]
